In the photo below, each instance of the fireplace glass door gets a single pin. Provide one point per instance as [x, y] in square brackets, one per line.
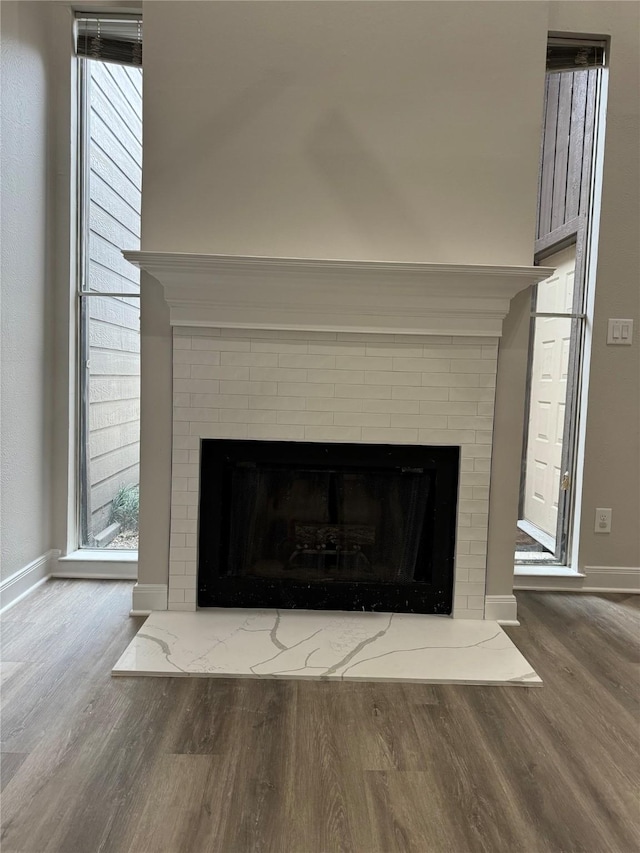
[291, 524]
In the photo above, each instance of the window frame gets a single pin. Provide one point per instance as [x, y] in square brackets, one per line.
[83, 295]
[584, 233]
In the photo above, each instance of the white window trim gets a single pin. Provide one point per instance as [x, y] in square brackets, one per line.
[74, 561]
[572, 569]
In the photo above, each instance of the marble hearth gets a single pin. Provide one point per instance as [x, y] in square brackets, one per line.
[334, 351]
[298, 644]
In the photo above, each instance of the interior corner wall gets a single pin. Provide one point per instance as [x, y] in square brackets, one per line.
[612, 443]
[27, 331]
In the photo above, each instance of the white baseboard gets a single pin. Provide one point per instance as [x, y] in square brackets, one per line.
[612, 578]
[95, 576]
[147, 597]
[595, 579]
[502, 609]
[14, 588]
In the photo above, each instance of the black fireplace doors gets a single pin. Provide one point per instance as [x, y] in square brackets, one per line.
[327, 526]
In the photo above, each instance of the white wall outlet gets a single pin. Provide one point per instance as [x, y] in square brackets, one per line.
[603, 520]
[620, 332]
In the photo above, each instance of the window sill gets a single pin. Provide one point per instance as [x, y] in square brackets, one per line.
[100, 555]
[98, 565]
[546, 572]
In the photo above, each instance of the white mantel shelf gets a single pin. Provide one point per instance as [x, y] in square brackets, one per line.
[388, 297]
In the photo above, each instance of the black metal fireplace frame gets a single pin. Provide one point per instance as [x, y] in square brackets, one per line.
[219, 457]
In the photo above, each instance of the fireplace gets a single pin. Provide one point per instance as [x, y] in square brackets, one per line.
[310, 351]
[327, 526]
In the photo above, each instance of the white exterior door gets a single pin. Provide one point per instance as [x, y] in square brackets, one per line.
[548, 392]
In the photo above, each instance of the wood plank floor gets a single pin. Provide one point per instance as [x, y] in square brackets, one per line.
[92, 763]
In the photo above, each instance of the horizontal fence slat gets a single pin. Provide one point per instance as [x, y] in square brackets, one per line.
[112, 436]
[112, 464]
[115, 311]
[108, 389]
[111, 200]
[104, 414]
[114, 363]
[112, 85]
[110, 172]
[111, 230]
[104, 336]
[103, 493]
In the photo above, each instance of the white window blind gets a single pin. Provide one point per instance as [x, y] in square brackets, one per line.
[111, 39]
[564, 54]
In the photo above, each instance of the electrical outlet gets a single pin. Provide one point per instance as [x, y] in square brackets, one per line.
[603, 520]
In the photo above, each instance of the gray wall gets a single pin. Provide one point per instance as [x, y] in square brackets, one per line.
[27, 353]
[377, 130]
[115, 177]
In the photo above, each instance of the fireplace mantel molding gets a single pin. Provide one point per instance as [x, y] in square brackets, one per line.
[232, 291]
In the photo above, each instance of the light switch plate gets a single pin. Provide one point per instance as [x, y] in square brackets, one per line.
[620, 332]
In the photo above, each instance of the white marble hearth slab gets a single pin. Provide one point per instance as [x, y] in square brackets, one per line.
[317, 644]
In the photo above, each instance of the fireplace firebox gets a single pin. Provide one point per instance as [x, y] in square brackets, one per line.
[327, 526]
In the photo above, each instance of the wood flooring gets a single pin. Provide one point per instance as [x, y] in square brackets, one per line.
[159, 765]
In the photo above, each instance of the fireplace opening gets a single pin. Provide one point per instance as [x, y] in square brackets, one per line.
[327, 526]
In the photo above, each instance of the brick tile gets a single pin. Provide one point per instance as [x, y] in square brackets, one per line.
[392, 377]
[362, 419]
[277, 402]
[335, 404]
[351, 377]
[398, 407]
[277, 374]
[370, 392]
[248, 416]
[446, 436]
[303, 389]
[249, 359]
[208, 371]
[389, 435]
[305, 417]
[369, 362]
[420, 393]
[332, 433]
[422, 421]
[318, 362]
[276, 432]
[256, 388]
[227, 344]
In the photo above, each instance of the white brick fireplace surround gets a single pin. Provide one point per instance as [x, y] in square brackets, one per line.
[334, 351]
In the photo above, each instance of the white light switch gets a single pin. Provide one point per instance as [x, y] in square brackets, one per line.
[620, 332]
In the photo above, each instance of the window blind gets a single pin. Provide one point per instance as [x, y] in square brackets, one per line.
[574, 54]
[111, 39]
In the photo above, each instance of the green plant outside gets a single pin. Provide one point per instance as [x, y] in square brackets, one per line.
[125, 507]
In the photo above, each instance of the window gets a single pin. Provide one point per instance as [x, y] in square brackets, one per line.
[110, 174]
[551, 468]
